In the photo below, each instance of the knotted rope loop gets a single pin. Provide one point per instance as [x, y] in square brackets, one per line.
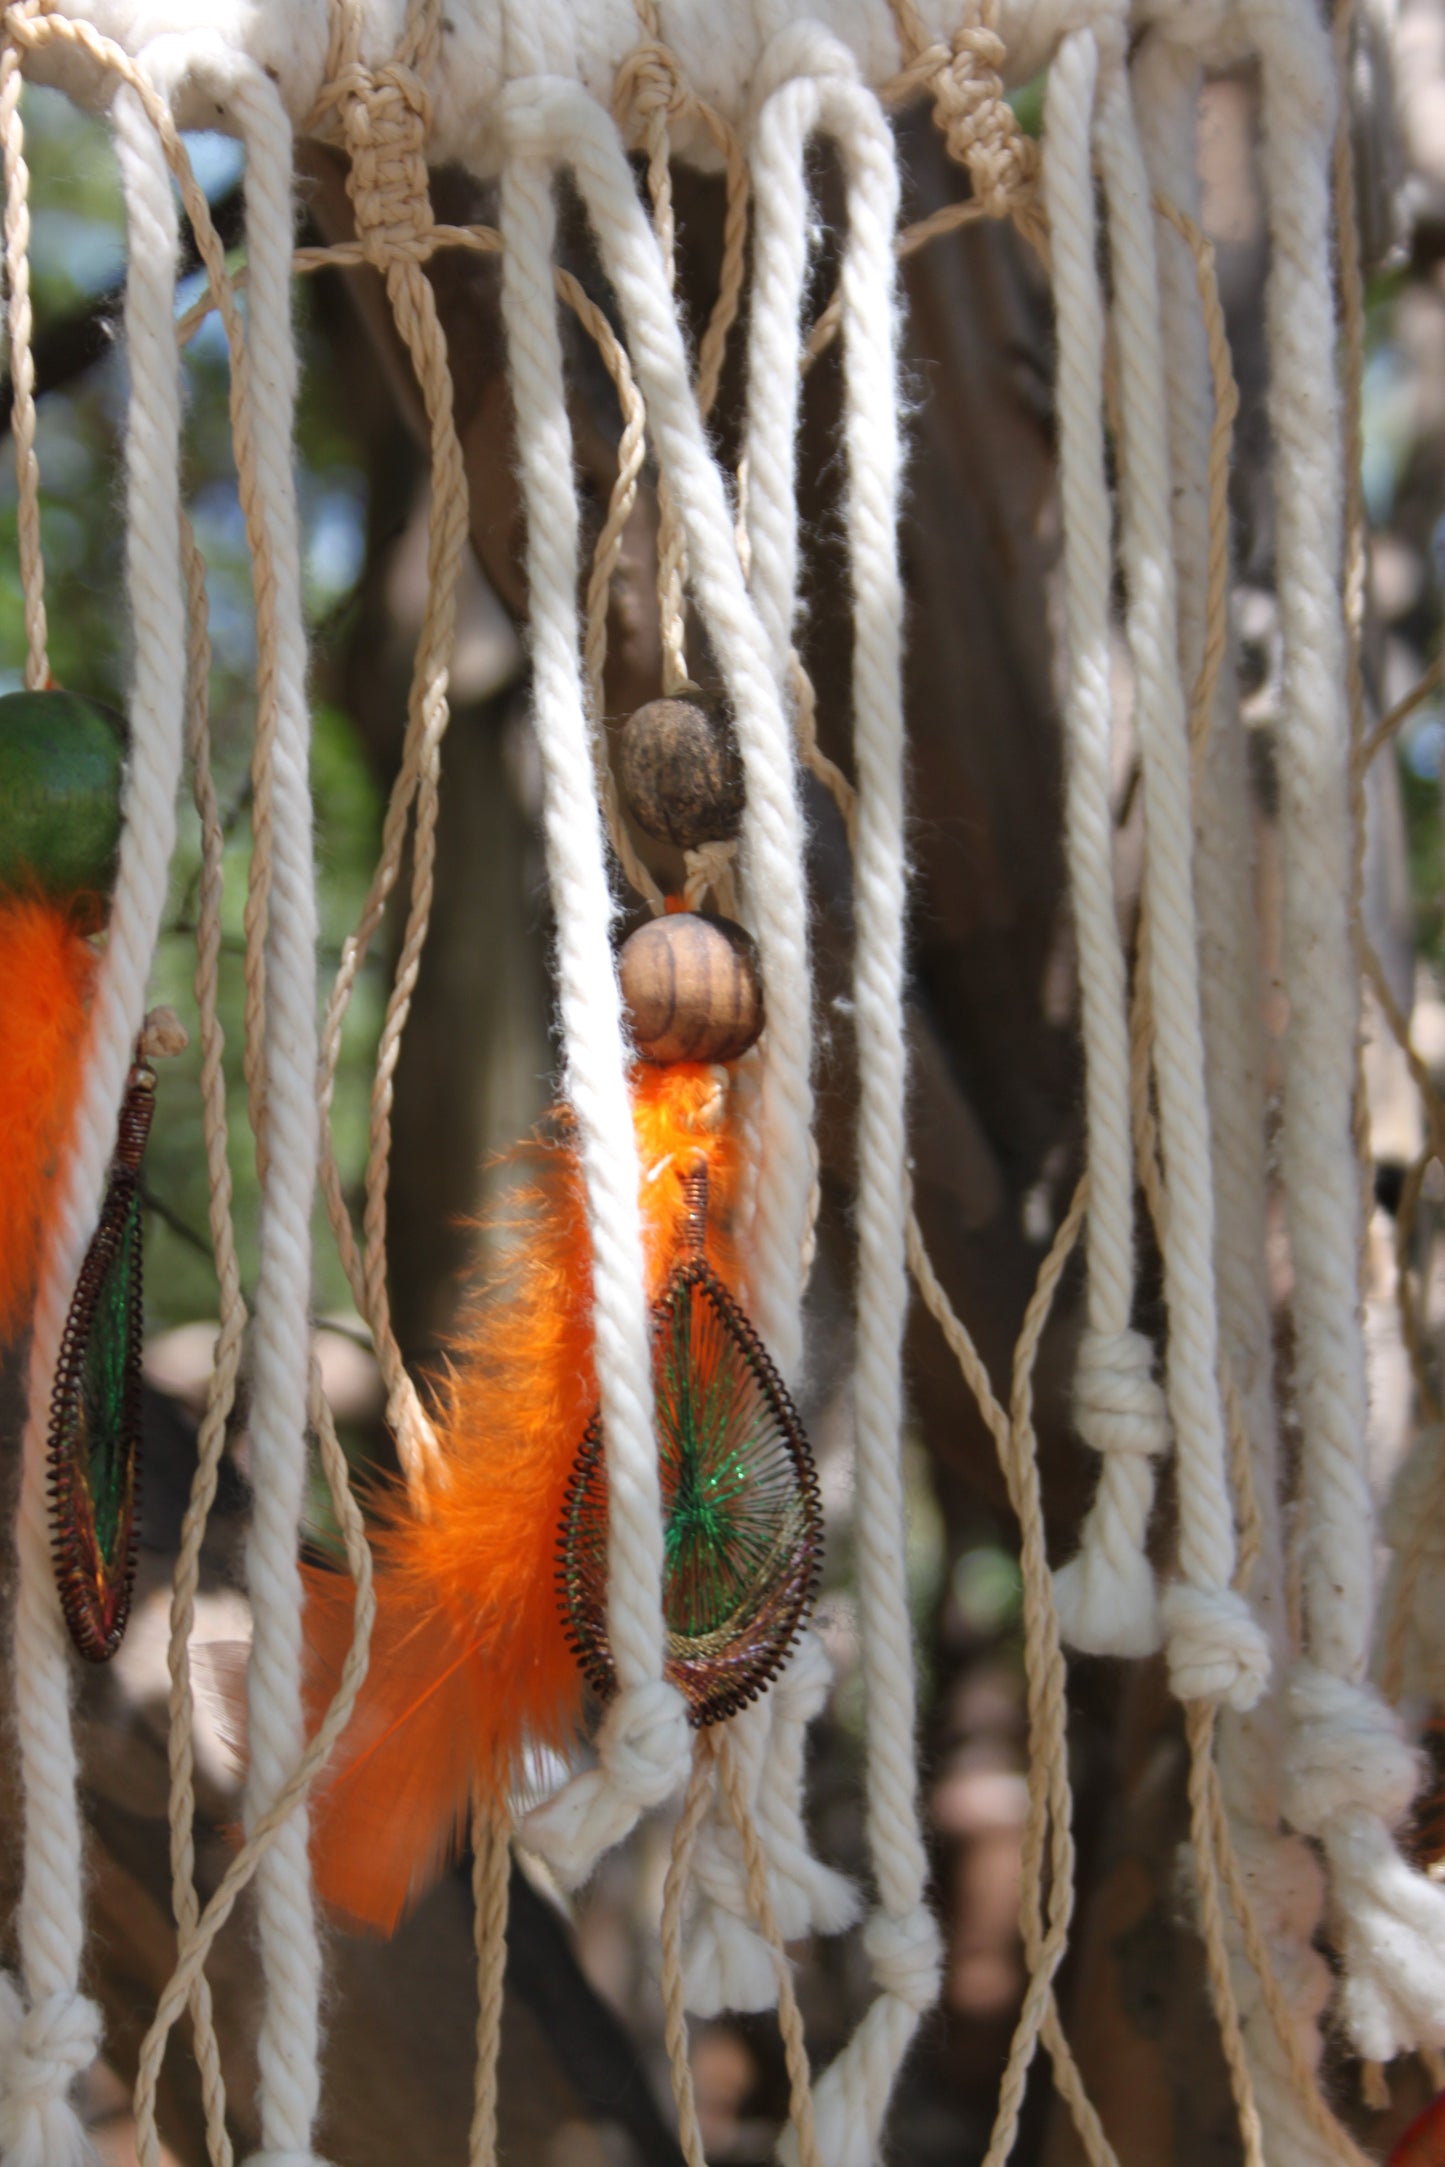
[650, 81]
[48, 2045]
[385, 120]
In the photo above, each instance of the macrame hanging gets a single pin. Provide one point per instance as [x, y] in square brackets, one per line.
[654, 1529]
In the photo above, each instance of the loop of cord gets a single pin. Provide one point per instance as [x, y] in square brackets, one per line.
[565, 126]
[382, 117]
[904, 1940]
[39, 2122]
[1279, 1980]
[644, 1749]
[1106, 1594]
[1221, 1650]
[288, 2047]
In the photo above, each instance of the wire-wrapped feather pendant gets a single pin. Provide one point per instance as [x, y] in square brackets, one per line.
[95, 1408]
[741, 1508]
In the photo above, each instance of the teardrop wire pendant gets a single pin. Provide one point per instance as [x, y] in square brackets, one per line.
[95, 1407]
[742, 1511]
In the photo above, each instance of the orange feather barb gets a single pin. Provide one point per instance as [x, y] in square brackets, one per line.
[48, 968]
[471, 1666]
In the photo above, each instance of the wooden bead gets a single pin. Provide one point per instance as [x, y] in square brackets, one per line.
[61, 765]
[691, 988]
[680, 773]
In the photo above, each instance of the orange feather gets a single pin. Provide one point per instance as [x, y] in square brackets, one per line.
[469, 1664]
[46, 971]
[1423, 2144]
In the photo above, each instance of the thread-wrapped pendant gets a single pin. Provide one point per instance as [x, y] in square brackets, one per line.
[741, 1508]
[95, 1408]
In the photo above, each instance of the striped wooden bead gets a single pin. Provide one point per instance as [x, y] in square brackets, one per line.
[691, 988]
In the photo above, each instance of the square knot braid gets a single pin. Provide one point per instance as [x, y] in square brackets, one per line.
[385, 119]
[976, 120]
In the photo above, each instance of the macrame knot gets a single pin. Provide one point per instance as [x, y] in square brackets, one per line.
[1217, 1648]
[644, 1742]
[1345, 1750]
[643, 1750]
[385, 119]
[650, 81]
[978, 123]
[907, 1955]
[1118, 1403]
[1106, 1597]
[43, 2050]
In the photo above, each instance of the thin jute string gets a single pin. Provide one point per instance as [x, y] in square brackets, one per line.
[714, 1764]
[491, 1881]
[225, 1368]
[195, 1943]
[650, 84]
[695, 1804]
[381, 118]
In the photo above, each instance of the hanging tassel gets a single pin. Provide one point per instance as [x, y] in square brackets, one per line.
[472, 1656]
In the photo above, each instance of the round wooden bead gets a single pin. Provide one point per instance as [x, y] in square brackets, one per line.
[680, 773]
[61, 766]
[691, 988]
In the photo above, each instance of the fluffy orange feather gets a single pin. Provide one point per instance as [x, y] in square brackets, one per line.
[469, 1665]
[46, 971]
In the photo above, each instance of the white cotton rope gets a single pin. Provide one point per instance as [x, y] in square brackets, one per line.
[288, 2091]
[1105, 1595]
[783, 1119]
[488, 44]
[644, 1743]
[902, 1938]
[1350, 1777]
[1216, 1648]
[727, 1957]
[48, 2037]
[1283, 1877]
[551, 123]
